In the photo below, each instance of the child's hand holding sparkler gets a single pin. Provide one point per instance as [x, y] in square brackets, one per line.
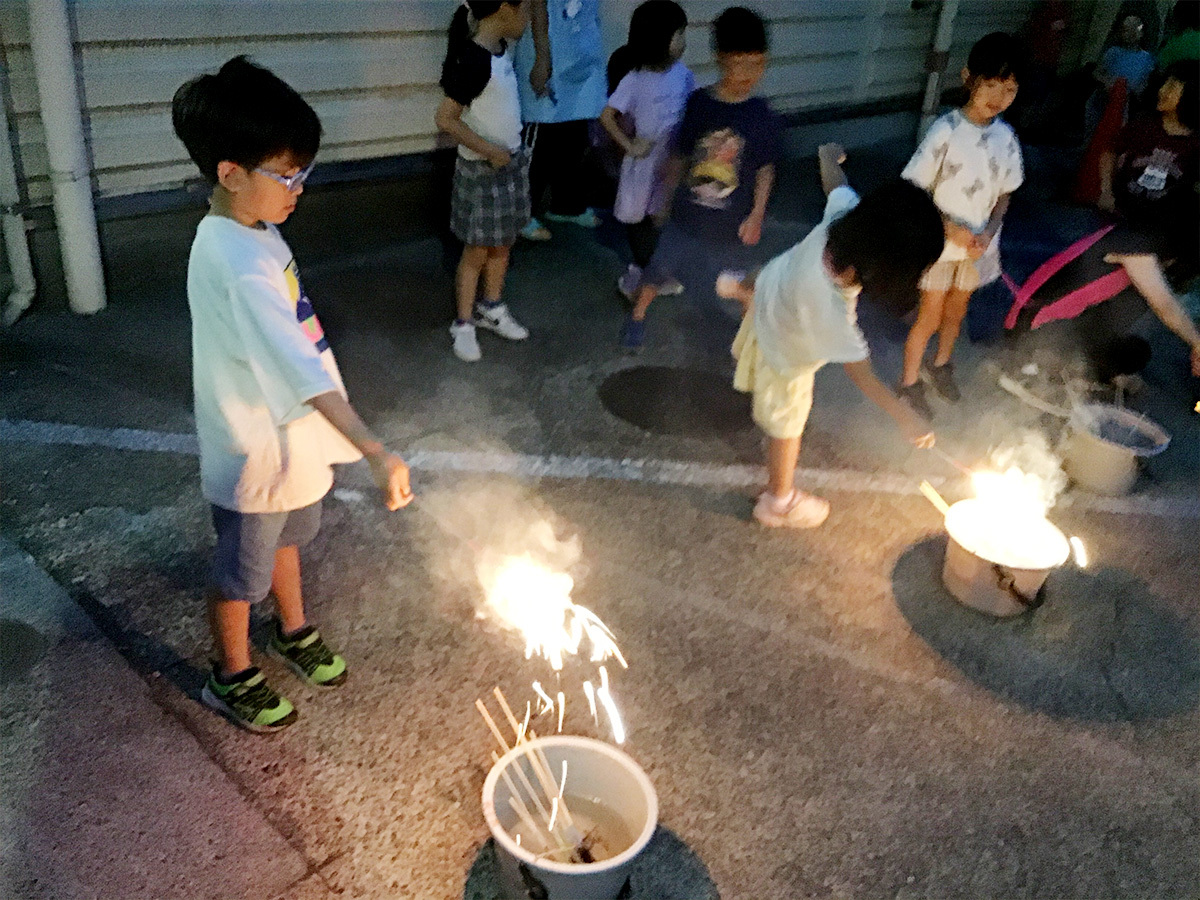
[391, 476]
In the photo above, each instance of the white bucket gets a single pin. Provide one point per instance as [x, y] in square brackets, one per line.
[614, 790]
[1105, 444]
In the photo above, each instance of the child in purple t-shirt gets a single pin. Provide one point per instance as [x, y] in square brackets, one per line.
[641, 117]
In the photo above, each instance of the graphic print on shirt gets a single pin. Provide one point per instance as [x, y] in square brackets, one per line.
[714, 173]
[305, 314]
[1160, 166]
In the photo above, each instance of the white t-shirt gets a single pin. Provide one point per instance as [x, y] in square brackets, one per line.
[655, 102]
[495, 115]
[258, 356]
[967, 168]
[802, 318]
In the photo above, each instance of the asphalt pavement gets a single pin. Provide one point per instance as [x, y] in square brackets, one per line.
[819, 718]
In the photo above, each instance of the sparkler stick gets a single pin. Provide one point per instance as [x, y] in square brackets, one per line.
[491, 723]
[533, 794]
[512, 720]
[934, 497]
[523, 814]
[946, 457]
[554, 837]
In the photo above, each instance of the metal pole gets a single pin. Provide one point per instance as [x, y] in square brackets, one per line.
[54, 66]
[16, 240]
[939, 55]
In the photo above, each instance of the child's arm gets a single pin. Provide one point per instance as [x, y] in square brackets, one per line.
[448, 118]
[1108, 165]
[633, 146]
[672, 172]
[539, 27]
[915, 429]
[830, 158]
[388, 469]
[751, 230]
[984, 239]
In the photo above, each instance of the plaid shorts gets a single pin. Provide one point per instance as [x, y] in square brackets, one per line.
[490, 206]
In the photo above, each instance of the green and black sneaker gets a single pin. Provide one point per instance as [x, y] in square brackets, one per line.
[308, 656]
[249, 702]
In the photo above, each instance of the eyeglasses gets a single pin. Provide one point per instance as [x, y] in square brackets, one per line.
[291, 182]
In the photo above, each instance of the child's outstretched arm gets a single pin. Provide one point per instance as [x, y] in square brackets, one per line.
[915, 429]
[984, 239]
[830, 158]
[389, 470]
[448, 118]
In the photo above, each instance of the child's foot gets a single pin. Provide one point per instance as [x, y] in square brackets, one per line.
[249, 702]
[496, 317]
[914, 396]
[308, 656]
[672, 287]
[633, 333]
[942, 379]
[535, 231]
[586, 219]
[630, 281]
[466, 345]
[798, 510]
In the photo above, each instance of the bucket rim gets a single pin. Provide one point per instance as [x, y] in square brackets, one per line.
[1085, 413]
[500, 834]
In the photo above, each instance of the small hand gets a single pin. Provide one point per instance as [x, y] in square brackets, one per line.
[834, 153]
[960, 235]
[391, 477]
[639, 147]
[751, 230]
[917, 431]
[499, 158]
[978, 246]
[539, 75]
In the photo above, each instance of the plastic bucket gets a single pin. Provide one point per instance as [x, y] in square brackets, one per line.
[1105, 444]
[616, 791]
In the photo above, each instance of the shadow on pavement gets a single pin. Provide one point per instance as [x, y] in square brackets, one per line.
[666, 870]
[667, 400]
[1101, 647]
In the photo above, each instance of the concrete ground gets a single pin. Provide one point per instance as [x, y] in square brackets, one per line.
[819, 718]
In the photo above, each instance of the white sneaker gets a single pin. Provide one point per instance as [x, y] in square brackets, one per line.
[672, 287]
[800, 510]
[466, 346]
[501, 321]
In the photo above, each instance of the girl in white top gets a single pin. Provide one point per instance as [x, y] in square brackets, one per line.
[490, 201]
[642, 117]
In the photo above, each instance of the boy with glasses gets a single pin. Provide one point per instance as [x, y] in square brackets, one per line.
[271, 410]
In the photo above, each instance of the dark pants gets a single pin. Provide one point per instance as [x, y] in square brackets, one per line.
[643, 240]
[556, 180]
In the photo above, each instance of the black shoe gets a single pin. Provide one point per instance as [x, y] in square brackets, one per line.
[942, 379]
[914, 396]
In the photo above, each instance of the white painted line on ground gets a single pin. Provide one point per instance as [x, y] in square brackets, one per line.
[582, 468]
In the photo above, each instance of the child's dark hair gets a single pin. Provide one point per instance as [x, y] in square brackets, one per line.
[651, 29]
[889, 238]
[739, 30]
[996, 55]
[1187, 73]
[459, 33]
[245, 114]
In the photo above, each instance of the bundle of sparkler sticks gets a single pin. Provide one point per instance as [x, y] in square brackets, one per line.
[553, 827]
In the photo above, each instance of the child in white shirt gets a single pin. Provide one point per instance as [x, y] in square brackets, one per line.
[271, 410]
[969, 162]
[801, 314]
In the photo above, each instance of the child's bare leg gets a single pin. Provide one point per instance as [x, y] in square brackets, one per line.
[285, 585]
[466, 279]
[230, 624]
[929, 319]
[954, 310]
[494, 270]
[645, 296]
[782, 455]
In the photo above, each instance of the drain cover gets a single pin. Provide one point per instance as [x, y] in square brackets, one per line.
[689, 402]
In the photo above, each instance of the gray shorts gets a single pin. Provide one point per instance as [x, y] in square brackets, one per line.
[246, 543]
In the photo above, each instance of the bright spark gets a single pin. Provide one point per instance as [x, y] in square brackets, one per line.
[553, 812]
[610, 707]
[562, 709]
[591, 699]
[525, 724]
[1081, 557]
[547, 703]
